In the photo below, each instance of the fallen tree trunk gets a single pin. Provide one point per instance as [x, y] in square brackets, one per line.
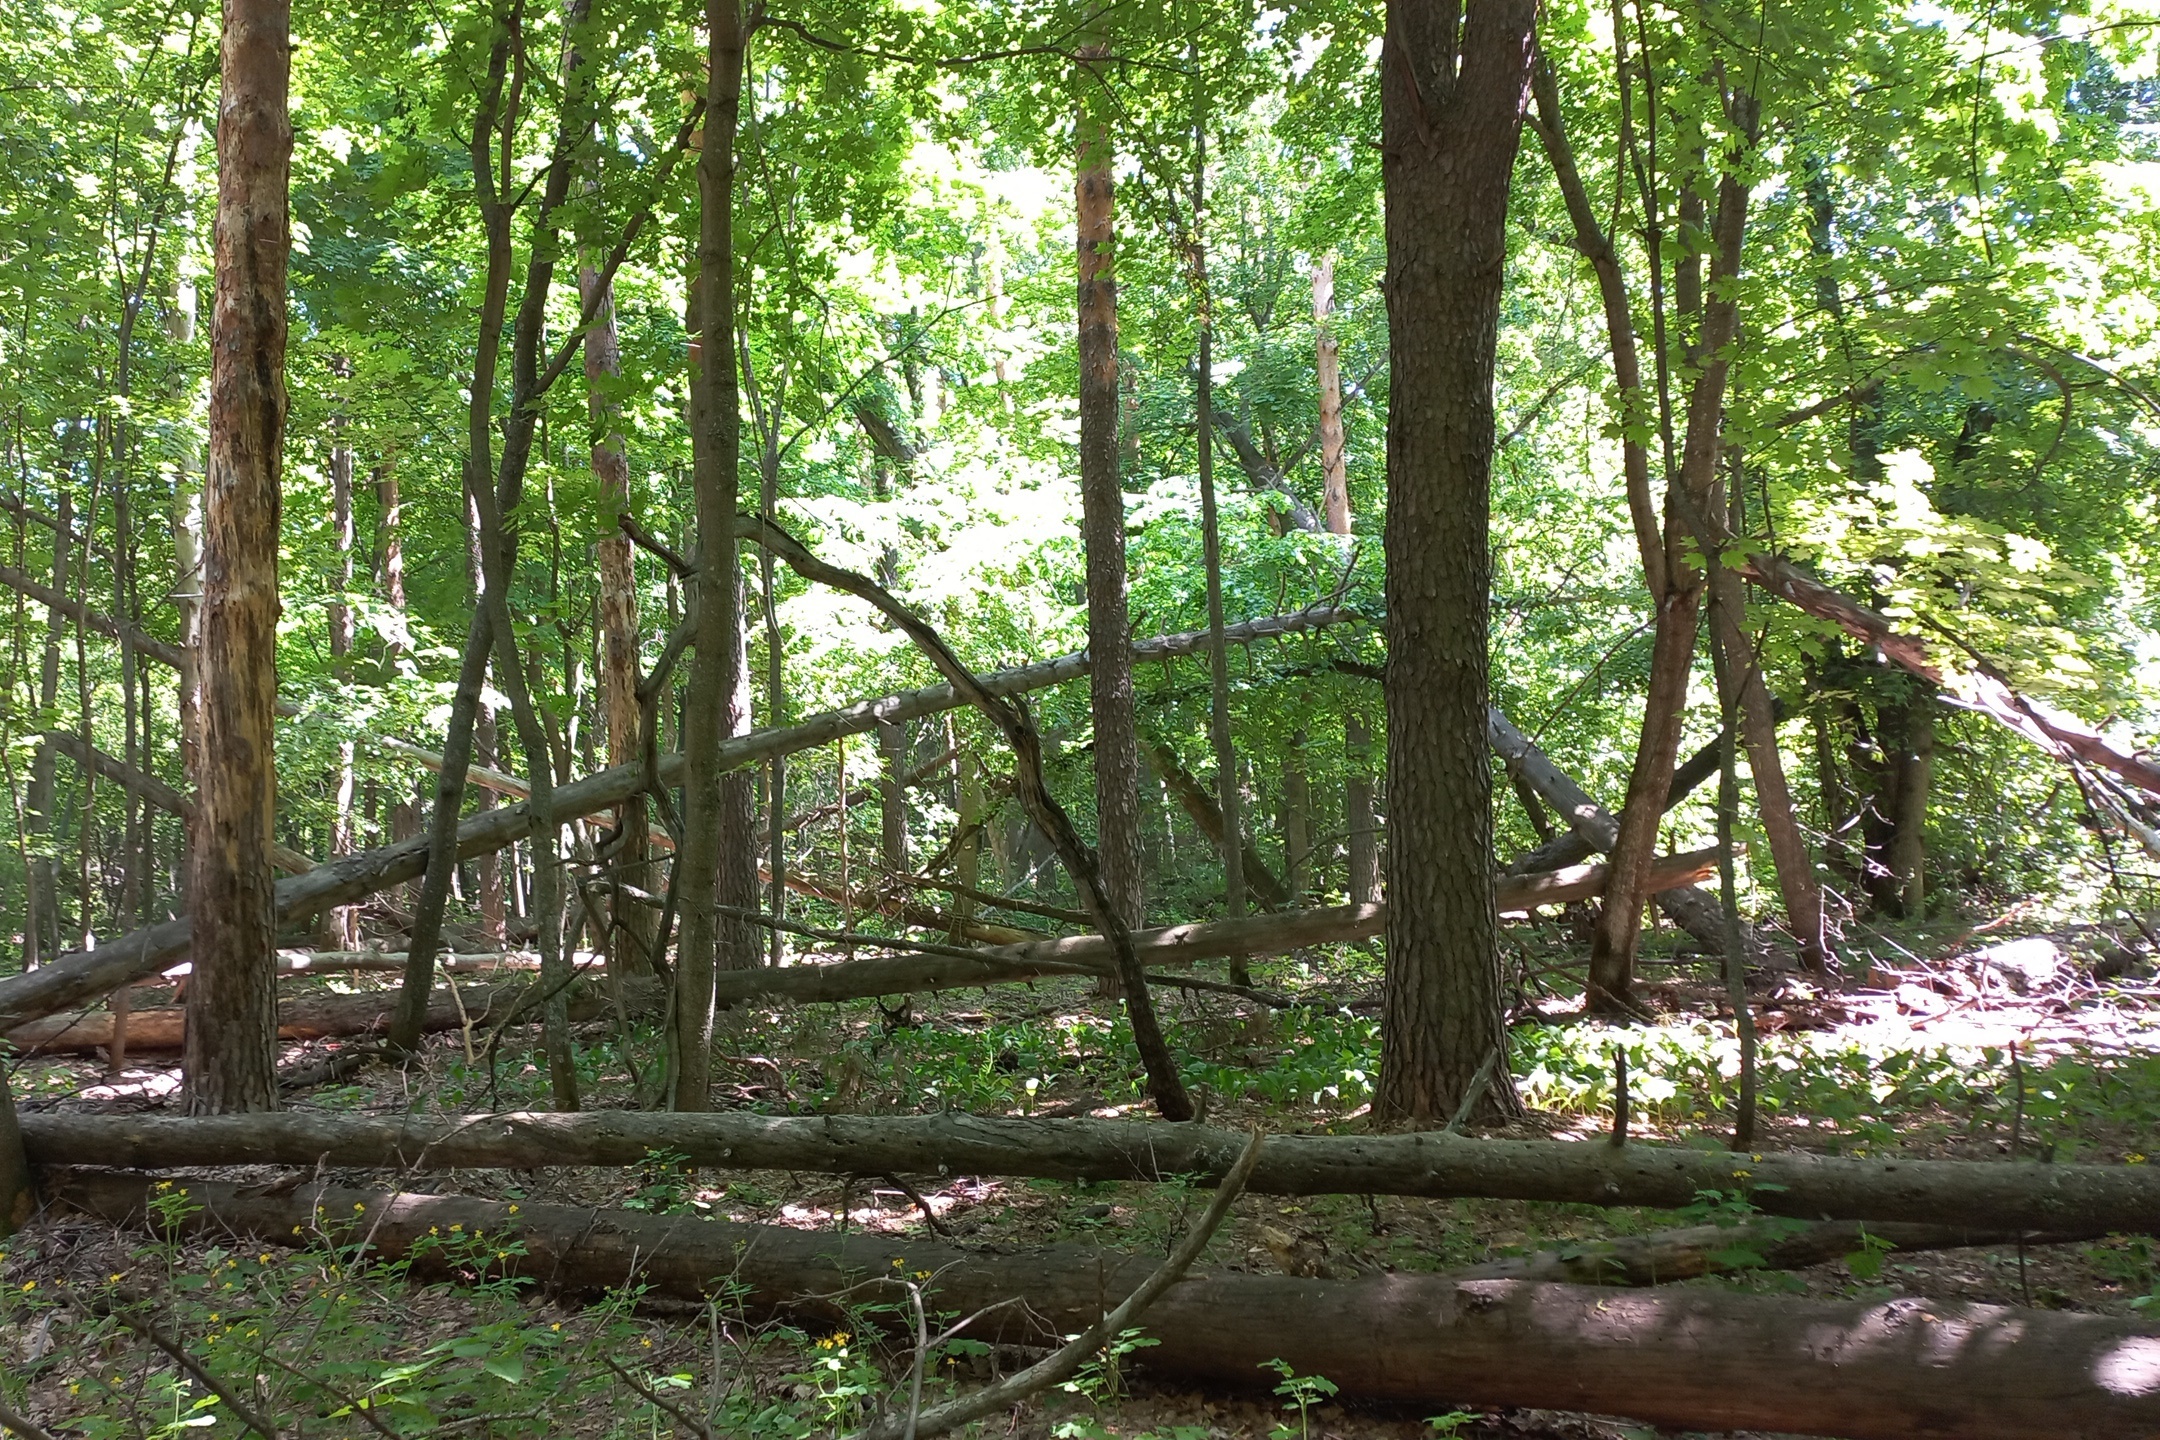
[71, 979]
[1434, 1165]
[1700, 1359]
[1597, 827]
[309, 1017]
[1772, 1244]
[2061, 735]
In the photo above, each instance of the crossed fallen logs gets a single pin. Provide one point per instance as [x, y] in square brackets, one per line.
[1692, 1358]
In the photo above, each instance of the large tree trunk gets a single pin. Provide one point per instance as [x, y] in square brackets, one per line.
[76, 977]
[1102, 499]
[1692, 1359]
[710, 822]
[1449, 135]
[231, 1057]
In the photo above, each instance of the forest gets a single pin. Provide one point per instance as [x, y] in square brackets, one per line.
[1080, 719]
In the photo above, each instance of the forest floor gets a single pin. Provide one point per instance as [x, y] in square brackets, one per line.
[1922, 1050]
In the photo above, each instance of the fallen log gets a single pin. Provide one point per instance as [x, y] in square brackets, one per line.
[310, 1017]
[74, 978]
[1433, 1165]
[1770, 1244]
[1598, 828]
[2061, 735]
[1693, 1358]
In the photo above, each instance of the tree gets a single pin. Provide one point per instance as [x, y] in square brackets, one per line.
[230, 1062]
[717, 839]
[1102, 495]
[1453, 90]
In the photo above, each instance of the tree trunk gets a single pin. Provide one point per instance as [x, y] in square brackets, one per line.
[342, 928]
[18, 1192]
[41, 929]
[1231, 842]
[1908, 844]
[711, 824]
[893, 748]
[1363, 845]
[1437, 1165]
[1102, 497]
[618, 613]
[1297, 822]
[1334, 462]
[231, 1057]
[1766, 763]
[486, 745]
[1619, 925]
[1448, 147]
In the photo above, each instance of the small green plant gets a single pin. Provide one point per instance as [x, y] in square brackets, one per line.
[1866, 1263]
[1450, 1425]
[1301, 1391]
[1099, 1379]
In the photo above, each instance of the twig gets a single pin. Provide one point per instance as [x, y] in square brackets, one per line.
[930, 1216]
[358, 1407]
[22, 1425]
[242, 1411]
[1475, 1093]
[1083, 1347]
[696, 1426]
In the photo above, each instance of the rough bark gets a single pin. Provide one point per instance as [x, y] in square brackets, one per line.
[1691, 1359]
[1453, 90]
[1102, 499]
[709, 812]
[230, 1063]
[73, 978]
[1991, 1194]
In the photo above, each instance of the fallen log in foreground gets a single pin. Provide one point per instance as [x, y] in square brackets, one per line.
[1978, 1193]
[75, 978]
[310, 1017]
[1699, 1359]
